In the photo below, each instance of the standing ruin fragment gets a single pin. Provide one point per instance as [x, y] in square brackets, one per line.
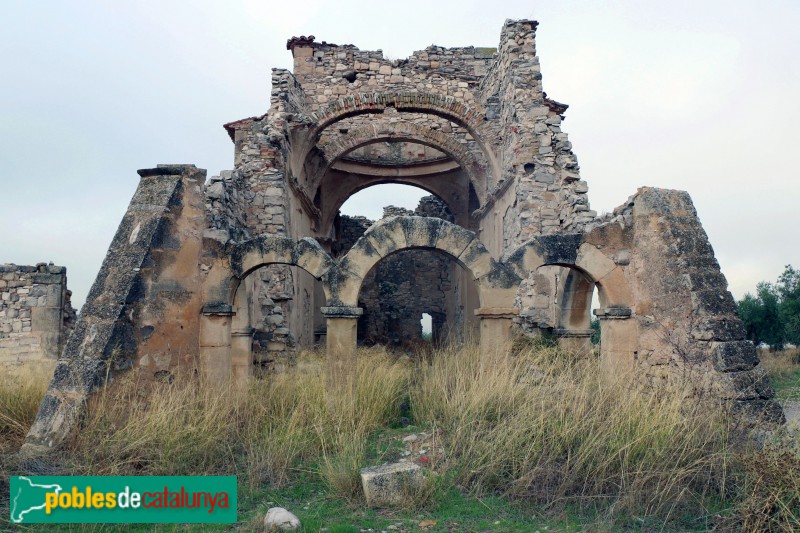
[227, 276]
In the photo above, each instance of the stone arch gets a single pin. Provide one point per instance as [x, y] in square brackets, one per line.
[384, 130]
[618, 333]
[496, 282]
[249, 255]
[570, 251]
[403, 131]
[354, 104]
[226, 325]
[447, 107]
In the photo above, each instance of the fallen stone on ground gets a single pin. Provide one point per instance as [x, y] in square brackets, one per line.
[391, 484]
[279, 519]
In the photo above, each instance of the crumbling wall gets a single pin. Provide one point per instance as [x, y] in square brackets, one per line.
[687, 318]
[328, 71]
[36, 316]
[547, 196]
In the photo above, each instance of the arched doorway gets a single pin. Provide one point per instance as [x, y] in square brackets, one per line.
[400, 288]
[556, 300]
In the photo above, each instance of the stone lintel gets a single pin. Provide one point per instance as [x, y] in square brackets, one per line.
[496, 312]
[218, 310]
[341, 312]
[246, 332]
[164, 170]
[578, 333]
[613, 312]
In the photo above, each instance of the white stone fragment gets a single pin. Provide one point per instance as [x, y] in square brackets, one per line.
[279, 519]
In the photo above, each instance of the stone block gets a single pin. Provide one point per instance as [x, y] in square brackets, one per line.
[747, 385]
[391, 484]
[734, 356]
[720, 329]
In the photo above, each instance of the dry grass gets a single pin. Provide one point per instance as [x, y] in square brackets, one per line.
[191, 428]
[19, 403]
[553, 428]
[541, 426]
[779, 364]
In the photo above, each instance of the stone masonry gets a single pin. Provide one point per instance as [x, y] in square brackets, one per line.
[36, 316]
[225, 278]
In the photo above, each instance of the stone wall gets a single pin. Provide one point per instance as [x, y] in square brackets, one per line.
[548, 196]
[327, 71]
[36, 316]
[687, 318]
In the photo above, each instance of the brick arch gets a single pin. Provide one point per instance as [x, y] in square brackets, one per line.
[496, 282]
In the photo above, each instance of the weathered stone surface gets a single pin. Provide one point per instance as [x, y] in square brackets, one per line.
[105, 338]
[391, 484]
[734, 356]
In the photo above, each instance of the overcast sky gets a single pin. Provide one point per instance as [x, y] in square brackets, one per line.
[697, 95]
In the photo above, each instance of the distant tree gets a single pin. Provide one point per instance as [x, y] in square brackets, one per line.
[772, 316]
[595, 323]
[788, 289]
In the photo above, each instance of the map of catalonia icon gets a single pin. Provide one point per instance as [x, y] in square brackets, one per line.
[28, 497]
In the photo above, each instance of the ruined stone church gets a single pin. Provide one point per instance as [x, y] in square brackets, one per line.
[228, 275]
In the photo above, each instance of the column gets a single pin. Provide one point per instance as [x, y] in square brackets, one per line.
[619, 338]
[242, 354]
[575, 340]
[215, 342]
[342, 323]
[496, 323]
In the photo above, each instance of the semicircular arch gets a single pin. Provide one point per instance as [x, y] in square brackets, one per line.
[264, 250]
[496, 282]
[402, 131]
[447, 107]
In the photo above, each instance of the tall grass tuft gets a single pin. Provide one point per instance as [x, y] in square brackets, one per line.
[550, 427]
[265, 429]
[19, 402]
[769, 494]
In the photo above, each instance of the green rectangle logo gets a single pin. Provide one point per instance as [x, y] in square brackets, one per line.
[123, 499]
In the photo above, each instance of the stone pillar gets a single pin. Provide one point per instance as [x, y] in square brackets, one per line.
[242, 354]
[215, 343]
[341, 346]
[496, 323]
[48, 320]
[618, 338]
